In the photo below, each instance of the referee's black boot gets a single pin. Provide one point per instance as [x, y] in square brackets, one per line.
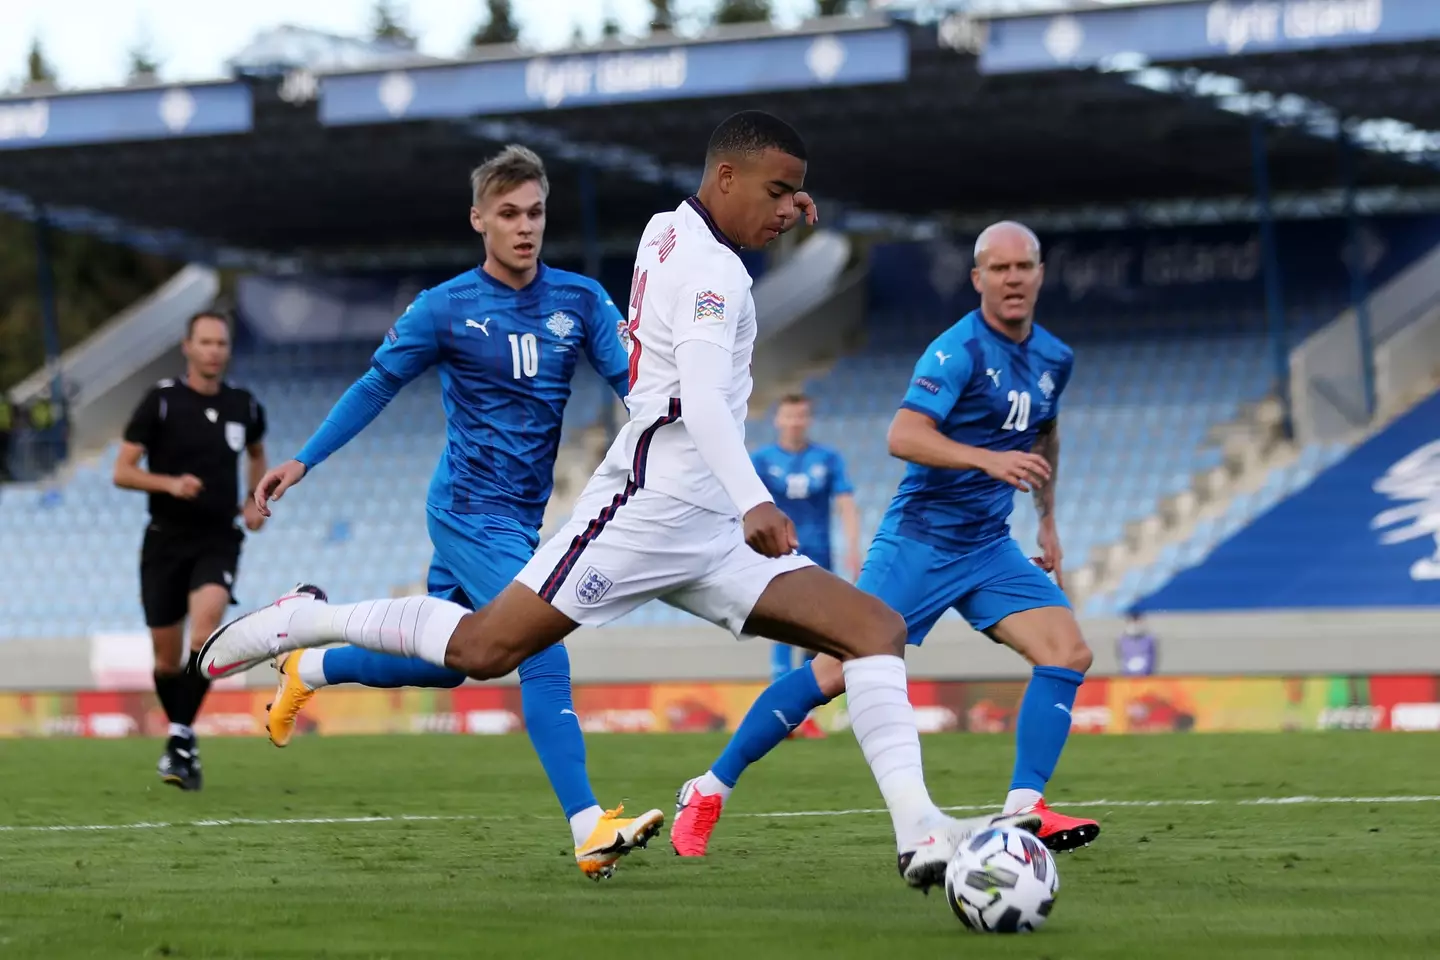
[180, 764]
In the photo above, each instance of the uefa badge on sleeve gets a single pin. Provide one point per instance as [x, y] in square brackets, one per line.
[709, 305]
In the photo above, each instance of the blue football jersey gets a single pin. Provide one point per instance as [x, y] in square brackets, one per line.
[984, 390]
[505, 358]
[804, 484]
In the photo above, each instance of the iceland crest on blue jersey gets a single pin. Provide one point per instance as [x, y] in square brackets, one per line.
[560, 324]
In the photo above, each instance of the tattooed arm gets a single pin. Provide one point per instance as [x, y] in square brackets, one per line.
[1047, 445]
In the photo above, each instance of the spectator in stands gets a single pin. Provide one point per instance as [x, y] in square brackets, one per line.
[7, 427]
[191, 433]
[1137, 647]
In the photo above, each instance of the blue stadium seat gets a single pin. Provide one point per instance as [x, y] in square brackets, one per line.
[1151, 382]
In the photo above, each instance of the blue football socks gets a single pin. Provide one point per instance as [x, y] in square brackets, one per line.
[375, 669]
[1043, 725]
[779, 709]
[554, 727]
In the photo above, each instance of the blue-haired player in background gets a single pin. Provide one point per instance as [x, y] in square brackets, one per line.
[506, 338]
[980, 420]
[807, 481]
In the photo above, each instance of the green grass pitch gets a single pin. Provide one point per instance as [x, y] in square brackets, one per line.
[1225, 879]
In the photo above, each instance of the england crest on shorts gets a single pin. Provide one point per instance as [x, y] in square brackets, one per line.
[592, 587]
[235, 435]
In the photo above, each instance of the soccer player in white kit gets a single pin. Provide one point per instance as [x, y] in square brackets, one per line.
[676, 512]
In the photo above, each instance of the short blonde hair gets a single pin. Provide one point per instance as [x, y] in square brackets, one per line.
[508, 169]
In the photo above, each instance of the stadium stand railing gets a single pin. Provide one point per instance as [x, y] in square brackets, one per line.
[1337, 527]
[107, 374]
[1403, 332]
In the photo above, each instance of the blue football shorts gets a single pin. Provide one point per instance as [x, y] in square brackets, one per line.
[985, 585]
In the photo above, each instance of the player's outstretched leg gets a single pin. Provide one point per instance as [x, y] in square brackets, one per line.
[1050, 638]
[819, 611]
[548, 703]
[486, 644]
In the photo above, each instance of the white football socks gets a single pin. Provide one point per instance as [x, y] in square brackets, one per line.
[311, 669]
[1018, 800]
[884, 723]
[407, 626]
[584, 823]
[709, 785]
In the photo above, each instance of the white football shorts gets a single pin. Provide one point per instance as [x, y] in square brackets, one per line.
[624, 546]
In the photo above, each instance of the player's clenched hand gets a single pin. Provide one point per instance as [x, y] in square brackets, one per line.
[274, 484]
[769, 532]
[1023, 471]
[186, 487]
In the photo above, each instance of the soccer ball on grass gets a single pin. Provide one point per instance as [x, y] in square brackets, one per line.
[1002, 881]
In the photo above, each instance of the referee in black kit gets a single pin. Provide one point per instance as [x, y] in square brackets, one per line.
[191, 433]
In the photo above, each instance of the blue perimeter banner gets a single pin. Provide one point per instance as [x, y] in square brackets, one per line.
[1190, 31]
[845, 58]
[153, 114]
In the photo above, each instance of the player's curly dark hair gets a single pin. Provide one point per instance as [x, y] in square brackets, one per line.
[751, 132]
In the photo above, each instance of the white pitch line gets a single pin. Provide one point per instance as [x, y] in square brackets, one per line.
[421, 818]
[229, 822]
[1255, 802]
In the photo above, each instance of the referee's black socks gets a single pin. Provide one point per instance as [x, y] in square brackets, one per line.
[170, 688]
[196, 686]
[182, 693]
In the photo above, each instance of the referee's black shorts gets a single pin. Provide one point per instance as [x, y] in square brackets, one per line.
[174, 562]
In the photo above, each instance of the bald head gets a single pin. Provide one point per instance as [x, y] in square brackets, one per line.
[1007, 275]
[1009, 232]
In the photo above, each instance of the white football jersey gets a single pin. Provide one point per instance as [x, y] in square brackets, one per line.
[689, 284]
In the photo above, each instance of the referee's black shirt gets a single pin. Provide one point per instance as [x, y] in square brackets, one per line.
[187, 432]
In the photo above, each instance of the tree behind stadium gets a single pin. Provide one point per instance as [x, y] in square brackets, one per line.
[499, 27]
[389, 24]
[742, 11]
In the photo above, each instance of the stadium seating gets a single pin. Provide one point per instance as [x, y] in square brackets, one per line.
[1210, 533]
[1149, 386]
[359, 528]
[1339, 527]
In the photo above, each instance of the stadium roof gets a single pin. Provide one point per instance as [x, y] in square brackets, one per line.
[369, 167]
